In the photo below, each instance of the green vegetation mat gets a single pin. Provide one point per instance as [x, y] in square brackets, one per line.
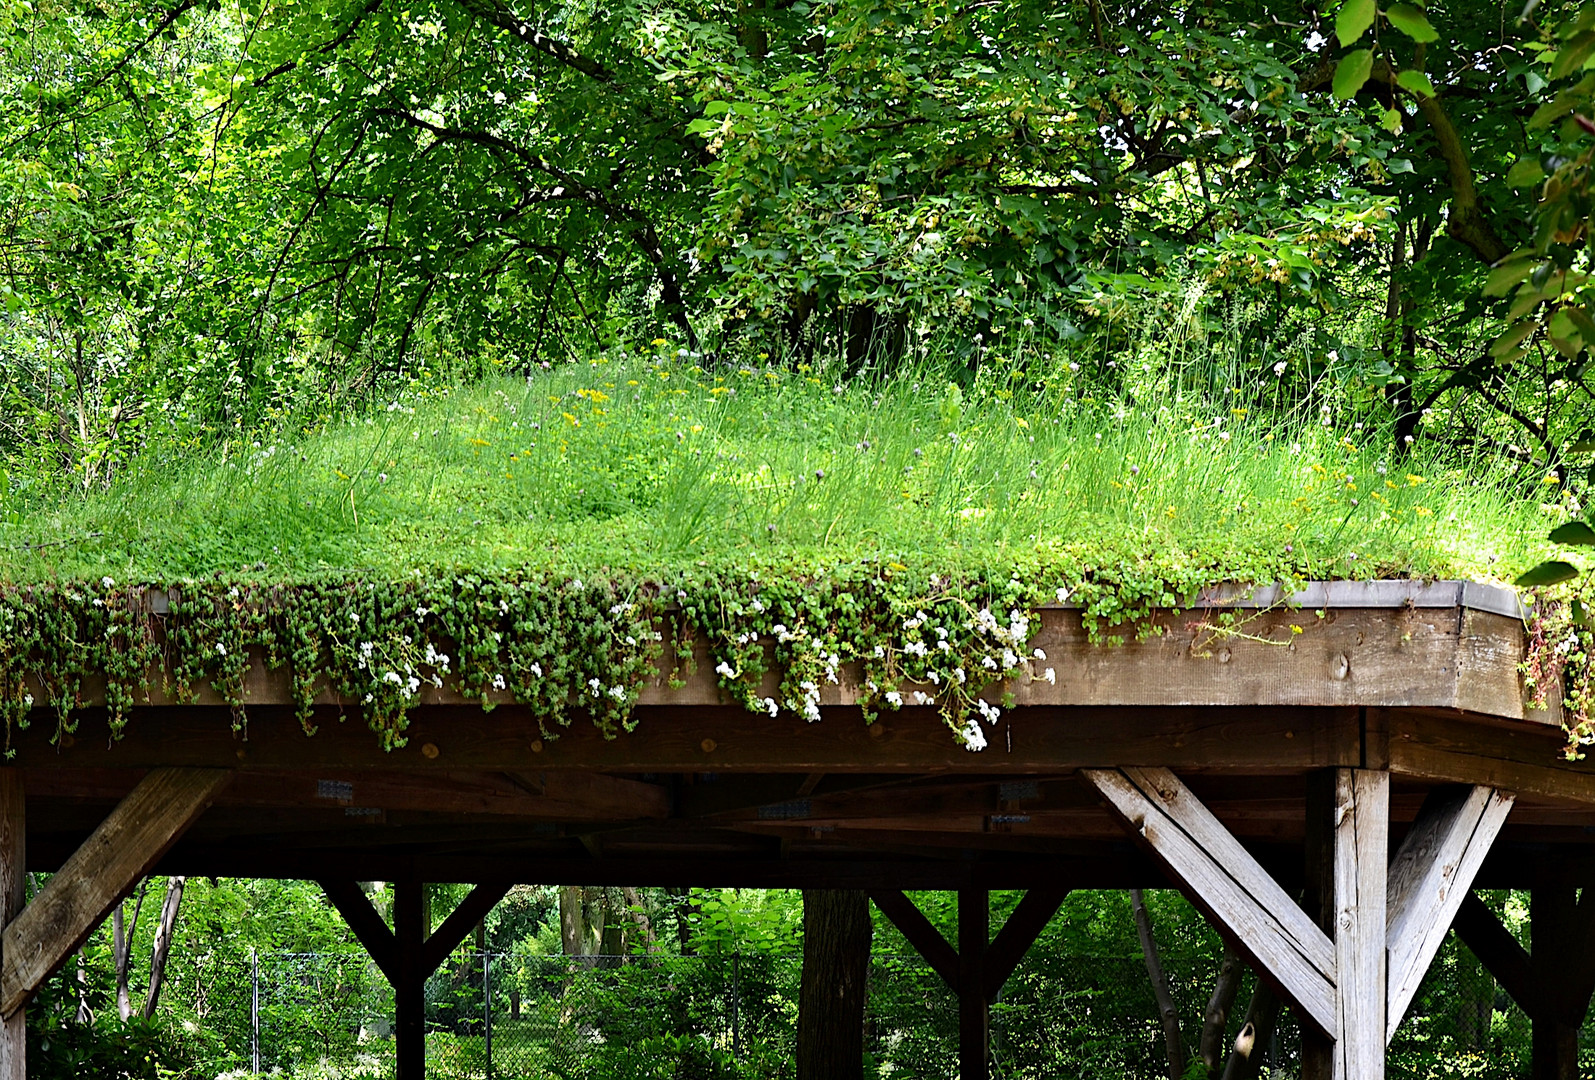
[552, 538]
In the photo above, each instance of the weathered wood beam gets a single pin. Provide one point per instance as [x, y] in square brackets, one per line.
[368, 927]
[1431, 874]
[461, 921]
[1018, 933]
[1359, 838]
[925, 938]
[1526, 758]
[1224, 880]
[723, 740]
[1497, 949]
[13, 897]
[99, 874]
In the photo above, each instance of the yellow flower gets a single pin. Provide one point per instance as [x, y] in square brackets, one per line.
[660, 341]
[573, 421]
[1413, 481]
[1551, 480]
[1422, 511]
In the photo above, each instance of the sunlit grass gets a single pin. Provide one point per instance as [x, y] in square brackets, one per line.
[645, 464]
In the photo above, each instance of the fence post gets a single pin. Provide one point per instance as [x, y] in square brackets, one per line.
[254, 1010]
[736, 1004]
[487, 1012]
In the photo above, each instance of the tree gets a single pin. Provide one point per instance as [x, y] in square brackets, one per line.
[835, 986]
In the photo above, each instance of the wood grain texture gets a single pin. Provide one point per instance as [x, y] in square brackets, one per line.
[1361, 852]
[925, 938]
[1525, 758]
[13, 897]
[1226, 881]
[1431, 873]
[99, 874]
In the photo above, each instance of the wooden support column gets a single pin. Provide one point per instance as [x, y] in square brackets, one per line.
[974, 1016]
[97, 876]
[409, 989]
[13, 894]
[407, 954]
[976, 971]
[1348, 837]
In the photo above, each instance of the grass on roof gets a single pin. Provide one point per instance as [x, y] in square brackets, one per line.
[645, 464]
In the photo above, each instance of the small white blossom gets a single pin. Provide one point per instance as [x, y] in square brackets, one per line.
[894, 699]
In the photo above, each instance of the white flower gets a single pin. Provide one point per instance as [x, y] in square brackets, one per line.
[934, 677]
[770, 706]
[422, 612]
[988, 663]
[537, 669]
[1063, 594]
[27, 701]
[894, 699]
[725, 670]
[1039, 655]
[221, 650]
[988, 710]
[596, 686]
[920, 698]
[974, 738]
[106, 583]
[577, 584]
[618, 693]
[1051, 676]
[1279, 368]
[498, 682]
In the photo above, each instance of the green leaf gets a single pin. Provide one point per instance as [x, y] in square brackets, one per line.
[1572, 55]
[1575, 533]
[1415, 82]
[1352, 71]
[1512, 338]
[1547, 573]
[1410, 20]
[1390, 120]
[1353, 20]
[716, 108]
[1507, 274]
[1525, 171]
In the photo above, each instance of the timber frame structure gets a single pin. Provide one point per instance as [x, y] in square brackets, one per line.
[1327, 779]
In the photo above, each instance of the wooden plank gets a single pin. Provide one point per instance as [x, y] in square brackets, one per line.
[13, 898]
[1431, 873]
[461, 921]
[925, 938]
[1361, 858]
[99, 874]
[1018, 933]
[1525, 758]
[1344, 656]
[722, 740]
[1226, 881]
[974, 1015]
[1496, 949]
[368, 927]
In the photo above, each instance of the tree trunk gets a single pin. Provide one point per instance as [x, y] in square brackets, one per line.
[612, 938]
[1167, 1013]
[122, 950]
[163, 942]
[835, 985]
[572, 927]
[85, 1015]
[639, 915]
[1216, 1021]
[1246, 1058]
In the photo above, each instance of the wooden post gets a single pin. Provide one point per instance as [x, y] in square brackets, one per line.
[1348, 837]
[409, 988]
[13, 894]
[974, 1034]
[1555, 960]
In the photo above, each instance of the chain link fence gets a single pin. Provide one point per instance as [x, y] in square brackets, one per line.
[517, 1016]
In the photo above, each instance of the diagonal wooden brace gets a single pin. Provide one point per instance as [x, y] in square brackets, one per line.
[99, 875]
[1225, 881]
[1430, 876]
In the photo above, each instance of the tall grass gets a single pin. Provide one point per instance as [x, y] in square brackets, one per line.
[646, 462]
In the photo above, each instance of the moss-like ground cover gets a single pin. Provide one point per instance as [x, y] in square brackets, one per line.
[553, 537]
